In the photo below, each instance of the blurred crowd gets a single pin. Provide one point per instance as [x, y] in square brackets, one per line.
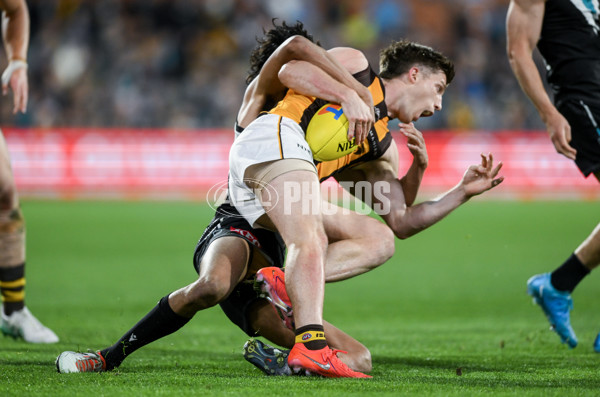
[183, 63]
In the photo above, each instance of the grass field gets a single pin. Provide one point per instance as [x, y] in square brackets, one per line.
[452, 297]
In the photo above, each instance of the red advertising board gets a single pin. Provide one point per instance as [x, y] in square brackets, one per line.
[185, 164]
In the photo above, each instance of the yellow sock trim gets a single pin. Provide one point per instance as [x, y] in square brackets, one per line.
[13, 284]
[310, 336]
[13, 296]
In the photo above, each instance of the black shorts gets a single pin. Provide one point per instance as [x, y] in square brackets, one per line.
[266, 249]
[584, 118]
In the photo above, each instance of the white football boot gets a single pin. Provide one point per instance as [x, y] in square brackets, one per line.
[70, 362]
[23, 324]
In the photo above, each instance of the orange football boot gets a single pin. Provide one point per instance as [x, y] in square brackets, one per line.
[270, 283]
[323, 362]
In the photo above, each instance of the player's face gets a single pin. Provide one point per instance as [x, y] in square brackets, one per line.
[421, 98]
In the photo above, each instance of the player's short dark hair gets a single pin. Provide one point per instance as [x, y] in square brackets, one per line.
[400, 56]
[272, 39]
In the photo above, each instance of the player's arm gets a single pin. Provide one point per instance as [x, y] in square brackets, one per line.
[351, 61]
[15, 35]
[354, 61]
[523, 30]
[388, 198]
[336, 84]
[310, 80]
[268, 84]
[411, 181]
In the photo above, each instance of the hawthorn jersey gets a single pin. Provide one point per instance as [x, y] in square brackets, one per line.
[302, 108]
[570, 45]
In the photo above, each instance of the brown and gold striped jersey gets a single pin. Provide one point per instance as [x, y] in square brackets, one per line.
[302, 108]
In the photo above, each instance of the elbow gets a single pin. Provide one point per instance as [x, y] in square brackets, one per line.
[296, 47]
[511, 53]
[397, 222]
[405, 226]
[405, 231]
[516, 52]
[401, 234]
[286, 73]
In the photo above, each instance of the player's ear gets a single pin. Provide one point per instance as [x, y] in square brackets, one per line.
[414, 74]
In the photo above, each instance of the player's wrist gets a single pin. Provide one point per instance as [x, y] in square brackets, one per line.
[366, 96]
[347, 96]
[461, 193]
[13, 65]
[547, 112]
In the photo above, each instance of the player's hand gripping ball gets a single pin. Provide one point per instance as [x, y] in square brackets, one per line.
[327, 134]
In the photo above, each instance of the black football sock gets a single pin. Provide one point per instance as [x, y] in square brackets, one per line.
[312, 335]
[12, 288]
[160, 321]
[569, 274]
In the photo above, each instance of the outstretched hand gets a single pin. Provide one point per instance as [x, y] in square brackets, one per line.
[481, 177]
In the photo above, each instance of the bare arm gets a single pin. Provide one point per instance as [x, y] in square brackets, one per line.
[523, 29]
[15, 35]
[310, 80]
[411, 181]
[388, 198]
[268, 84]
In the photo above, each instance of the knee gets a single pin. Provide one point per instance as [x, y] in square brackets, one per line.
[382, 241]
[321, 241]
[312, 246]
[317, 242]
[11, 220]
[8, 196]
[362, 360]
[386, 242]
[205, 293]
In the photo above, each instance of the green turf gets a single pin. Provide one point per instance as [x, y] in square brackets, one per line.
[452, 300]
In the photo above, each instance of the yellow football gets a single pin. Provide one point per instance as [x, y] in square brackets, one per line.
[327, 134]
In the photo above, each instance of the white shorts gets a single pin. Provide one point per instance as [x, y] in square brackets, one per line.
[268, 138]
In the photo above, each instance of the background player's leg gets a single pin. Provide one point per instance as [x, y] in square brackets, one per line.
[16, 320]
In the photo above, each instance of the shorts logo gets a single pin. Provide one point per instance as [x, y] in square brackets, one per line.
[307, 150]
[306, 336]
[247, 235]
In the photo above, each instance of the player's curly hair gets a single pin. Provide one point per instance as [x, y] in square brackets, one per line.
[272, 39]
[401, 55]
